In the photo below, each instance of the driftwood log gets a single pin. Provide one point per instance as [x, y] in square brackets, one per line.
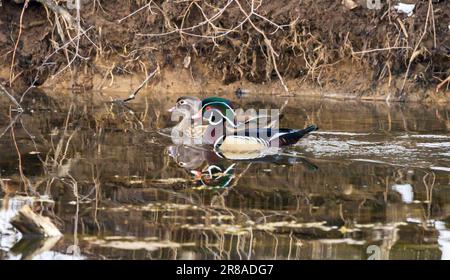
[32, 224]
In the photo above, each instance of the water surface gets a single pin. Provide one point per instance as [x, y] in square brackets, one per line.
[372, 182]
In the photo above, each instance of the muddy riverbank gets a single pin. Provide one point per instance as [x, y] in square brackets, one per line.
[307, 47]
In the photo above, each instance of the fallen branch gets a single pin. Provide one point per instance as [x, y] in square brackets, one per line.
[32, 224]
[133, 95]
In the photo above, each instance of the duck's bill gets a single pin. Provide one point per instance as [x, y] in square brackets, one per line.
[197, 174]
[172, 109]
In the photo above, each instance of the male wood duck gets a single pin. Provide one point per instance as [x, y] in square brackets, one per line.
[254, 143]
[227, 134]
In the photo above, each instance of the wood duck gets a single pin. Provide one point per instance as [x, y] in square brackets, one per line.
[244, 142]
[254, 143]
[216, 111]
[191, 125]
[230, 136]
[194, 111]
[205, 167]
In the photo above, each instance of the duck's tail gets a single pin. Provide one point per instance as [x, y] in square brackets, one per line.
[309, 129]
[302, 132]
[292, 136]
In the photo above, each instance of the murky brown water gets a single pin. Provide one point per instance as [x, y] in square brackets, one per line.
[373, 182]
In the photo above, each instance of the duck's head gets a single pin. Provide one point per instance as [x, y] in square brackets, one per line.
[187, 157]
[188, 106]
[214, 176]
[213, 109]
[216, 110]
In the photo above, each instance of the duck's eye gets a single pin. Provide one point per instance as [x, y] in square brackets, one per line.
[182, 102]
[182, 164]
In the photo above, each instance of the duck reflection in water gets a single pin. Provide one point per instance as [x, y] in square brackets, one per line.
[213, 171]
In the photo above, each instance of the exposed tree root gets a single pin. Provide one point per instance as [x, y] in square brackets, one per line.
[316, 42]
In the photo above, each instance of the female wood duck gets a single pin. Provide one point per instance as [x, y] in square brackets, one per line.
[229, 136]
[193, 111]
[190, 124]
[205, 167]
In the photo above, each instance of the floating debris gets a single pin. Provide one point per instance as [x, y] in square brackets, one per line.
[29, 223]
[344, 240]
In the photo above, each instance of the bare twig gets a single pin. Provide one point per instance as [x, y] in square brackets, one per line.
[416, 51]
[11, 124]
[11, 71]
[3, 90]
[443, 83]
[135, 12]
[133, 95]
[268, 43]
[218, 32]
[47, 58]
[24, 179]
[58, 10]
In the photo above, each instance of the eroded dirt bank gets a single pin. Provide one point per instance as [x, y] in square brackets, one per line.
[320, 47]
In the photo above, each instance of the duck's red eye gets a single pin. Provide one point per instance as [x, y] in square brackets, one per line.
[208, 108]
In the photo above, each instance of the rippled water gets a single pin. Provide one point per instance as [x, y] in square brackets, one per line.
[373, 182]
